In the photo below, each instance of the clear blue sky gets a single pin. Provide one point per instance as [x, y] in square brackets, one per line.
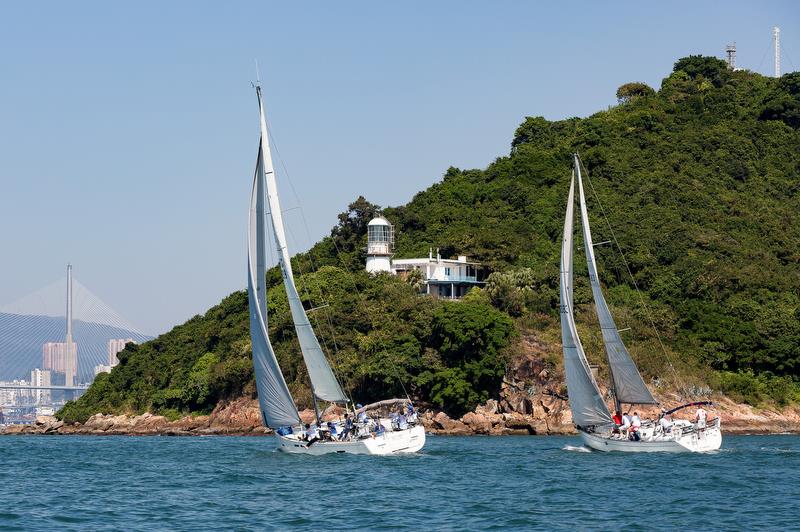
[128, 131]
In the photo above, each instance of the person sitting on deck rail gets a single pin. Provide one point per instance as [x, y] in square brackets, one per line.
[332, 430]
[700, 417]
[626, 425]
[636, 423]
[665, 422]
[617, 419]
[312, 433]
[402, 422]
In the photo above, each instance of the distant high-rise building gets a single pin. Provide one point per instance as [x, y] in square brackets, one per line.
[101, 368]
[116, 345]
[54, 356]
[40, 377]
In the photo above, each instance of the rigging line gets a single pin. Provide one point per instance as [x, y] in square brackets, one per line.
[785, 53]
[313, 266]
[311, 254]
[334, 359]
[397, 374]
[635, 284]
[769, 47]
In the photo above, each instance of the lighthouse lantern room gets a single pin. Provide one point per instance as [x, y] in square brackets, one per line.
[380, 244]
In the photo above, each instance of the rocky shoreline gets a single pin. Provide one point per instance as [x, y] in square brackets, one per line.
[242, 418]
[528, 404]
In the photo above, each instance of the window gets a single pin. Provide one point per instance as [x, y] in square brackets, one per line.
[447, 272]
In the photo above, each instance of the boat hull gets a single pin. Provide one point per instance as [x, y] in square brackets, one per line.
[391, 442]
[695, 441]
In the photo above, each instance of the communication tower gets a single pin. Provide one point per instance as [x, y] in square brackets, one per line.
[380, 244]
[776, 37]
[730, 51]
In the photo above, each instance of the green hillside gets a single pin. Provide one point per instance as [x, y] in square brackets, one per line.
[699, 182]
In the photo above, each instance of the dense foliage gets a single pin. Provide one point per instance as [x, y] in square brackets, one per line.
[384, 338]
[697, 182]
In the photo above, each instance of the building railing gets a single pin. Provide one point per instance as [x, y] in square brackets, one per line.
[455, 278]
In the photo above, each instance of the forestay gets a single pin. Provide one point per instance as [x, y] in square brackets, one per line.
[323, 381]
[628, 384]
[586, 402]
[277, 406]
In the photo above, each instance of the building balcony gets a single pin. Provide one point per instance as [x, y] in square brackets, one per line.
[454, 279]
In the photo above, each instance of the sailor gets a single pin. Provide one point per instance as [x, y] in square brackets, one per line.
[379, 428]
[348, 427]
[303, 435]
[362, 416]
[700, 417]
[312, 434]
[402, 422]
[626, 424]
[635, 424]
[411, 416]
[665, 422]
[331, 430]
[617, 419]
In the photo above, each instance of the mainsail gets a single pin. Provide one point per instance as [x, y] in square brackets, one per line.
[323, 382]
[585, 400]
[628, 384]
[277, 406]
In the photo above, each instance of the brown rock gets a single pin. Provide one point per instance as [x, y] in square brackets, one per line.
[441, 423]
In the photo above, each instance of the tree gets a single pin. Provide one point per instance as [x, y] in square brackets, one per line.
[712, 69]
[633, 90]
[416, 279]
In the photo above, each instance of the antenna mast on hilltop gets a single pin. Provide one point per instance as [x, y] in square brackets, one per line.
[776, 36]
[730, 51]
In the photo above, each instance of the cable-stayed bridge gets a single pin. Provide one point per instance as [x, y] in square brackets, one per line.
[29, 323]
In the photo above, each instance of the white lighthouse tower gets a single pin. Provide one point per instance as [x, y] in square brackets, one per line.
[380, 243]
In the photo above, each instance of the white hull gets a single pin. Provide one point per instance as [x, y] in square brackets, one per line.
[391, 442]
[682, 441]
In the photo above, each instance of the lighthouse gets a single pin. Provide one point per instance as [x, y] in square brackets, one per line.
[380, 243]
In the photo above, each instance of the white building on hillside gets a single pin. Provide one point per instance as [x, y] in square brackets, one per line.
[442, 278]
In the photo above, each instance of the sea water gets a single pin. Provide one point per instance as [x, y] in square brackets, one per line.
[478, 483]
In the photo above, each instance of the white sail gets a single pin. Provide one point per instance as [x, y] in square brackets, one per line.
[277, 407]
[585, 400]
[323, 381]
[628, 384]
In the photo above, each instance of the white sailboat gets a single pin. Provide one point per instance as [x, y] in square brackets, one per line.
[278, 409]
[589, 410]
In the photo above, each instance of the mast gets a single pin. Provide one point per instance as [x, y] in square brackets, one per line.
[324, 384]
[274, 399]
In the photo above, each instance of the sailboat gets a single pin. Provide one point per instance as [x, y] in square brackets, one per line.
[590, 413]
[278, 409]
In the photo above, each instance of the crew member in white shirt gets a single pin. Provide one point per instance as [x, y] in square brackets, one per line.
[635, 424]
[665, 422]
[700, 417]
[626, 425]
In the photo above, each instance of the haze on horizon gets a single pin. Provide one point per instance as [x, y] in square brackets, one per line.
[130, 131]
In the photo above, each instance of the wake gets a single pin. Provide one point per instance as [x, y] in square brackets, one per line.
[579, 449]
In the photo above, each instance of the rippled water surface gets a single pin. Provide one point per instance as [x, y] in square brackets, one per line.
[521, 482]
